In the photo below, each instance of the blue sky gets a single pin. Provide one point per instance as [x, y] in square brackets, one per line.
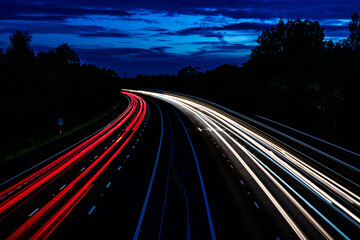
[153, 36]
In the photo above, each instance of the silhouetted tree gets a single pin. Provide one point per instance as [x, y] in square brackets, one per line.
[20, 44]
[36, 90]
[189, 71]
[66, 54]
[354, 27]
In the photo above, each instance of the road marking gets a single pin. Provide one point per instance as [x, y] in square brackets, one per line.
[1, 198]
[105, 148]
[62, 187]
[34, 212]
[127, 156]
[231, 166]
[277, 238]
[133, 147]
[256, 205]
[18, 187]
[91, 210]
[224, 155]
[142, 214]
[108, 185]
[211, 226]
[119, 168]
[113, 140]
[82, 169]
[242, 183]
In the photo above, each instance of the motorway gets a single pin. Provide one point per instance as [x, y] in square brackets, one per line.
[172, 166]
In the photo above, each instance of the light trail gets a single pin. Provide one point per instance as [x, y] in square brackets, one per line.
[45, 230]
[335, 194]
[24, 187]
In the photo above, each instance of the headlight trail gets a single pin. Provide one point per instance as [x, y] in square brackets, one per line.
[334, 194]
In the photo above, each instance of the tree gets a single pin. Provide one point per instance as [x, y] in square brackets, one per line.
[293, 39]
[20, 45]
[354, 27]
[66, 54]
[271, 42]
[189, 71]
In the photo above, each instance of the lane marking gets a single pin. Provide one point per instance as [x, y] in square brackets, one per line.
[212, 231]
[91, 210]
[127, 156]
[119, 168]
[242, 183]
[62, 187]
[256, 205]
[108, 185]
[33, 212]
[137, 231]
[82, 169]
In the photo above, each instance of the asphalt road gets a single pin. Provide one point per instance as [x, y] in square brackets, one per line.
[172, 167]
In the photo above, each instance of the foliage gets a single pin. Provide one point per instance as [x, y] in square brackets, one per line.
[36, 90]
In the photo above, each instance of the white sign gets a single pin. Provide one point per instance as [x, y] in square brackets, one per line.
[60, 121]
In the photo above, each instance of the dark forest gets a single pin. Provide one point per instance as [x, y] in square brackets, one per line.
[37, 90]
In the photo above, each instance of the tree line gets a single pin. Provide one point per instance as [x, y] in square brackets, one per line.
[36, 90]
[293, 76]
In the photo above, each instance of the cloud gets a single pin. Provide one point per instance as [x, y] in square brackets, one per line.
[156, 60]
[112, 34]
[55, 10]
[88, 31]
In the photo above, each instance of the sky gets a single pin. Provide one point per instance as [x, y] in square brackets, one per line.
[156, 36]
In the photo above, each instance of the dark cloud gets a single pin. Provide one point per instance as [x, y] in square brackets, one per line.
[262, 9]
[155, 29]
[51, 28]
[91, 31]
[53, 10]
[112, 34]
[212, 31]
[155, 60]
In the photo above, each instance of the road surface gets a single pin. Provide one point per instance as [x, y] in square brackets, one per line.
[176, 167]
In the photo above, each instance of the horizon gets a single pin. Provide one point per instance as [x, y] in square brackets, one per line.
[139, 37]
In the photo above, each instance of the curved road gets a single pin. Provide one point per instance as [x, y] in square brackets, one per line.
[177, 167]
